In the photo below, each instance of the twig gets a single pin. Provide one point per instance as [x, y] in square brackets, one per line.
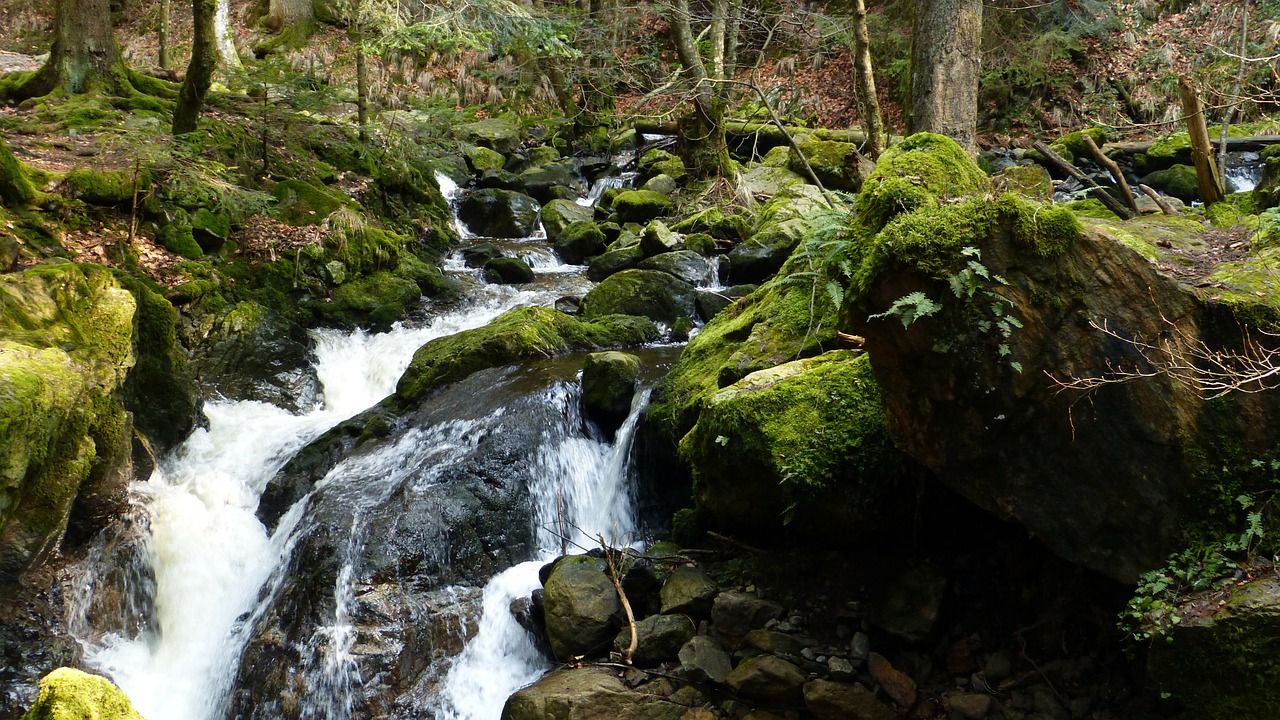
[626, 604]
[1160, 202]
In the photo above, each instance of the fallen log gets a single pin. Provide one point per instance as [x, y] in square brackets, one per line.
[766, 133]
[1247, 143]
[1062, 166]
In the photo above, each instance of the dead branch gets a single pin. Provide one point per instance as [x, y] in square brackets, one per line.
[622, 596]
[1160, 202]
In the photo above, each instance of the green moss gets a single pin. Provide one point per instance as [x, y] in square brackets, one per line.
[1226, 215]
[15, 189]
[1267, 193]
[429, 279]
[103, 187]
[519, 334]
[835, 163]
[377, 300]
[69, 694]
[1179, 181]
[178, 237]
[301, 203]
[1049, 229]
[653, 294]
[1030, 181]
[1072, 146]
[1091, 208]
[715, 222]
[641, 205]
[916, 173]
[1253, 281]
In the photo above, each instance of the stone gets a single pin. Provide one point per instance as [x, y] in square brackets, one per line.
[608, 384]
[907, 599]
[641, 205]
[1179, 181]
[1267, 193]
[587, 694]
[844, 701]
[767, 181]
[703, 660]
[569, 304]
[896, 684]
[712, 302]
[66, 693]
[759, 258]
[840, 669]
[579, 241]
[860, 646]
[737, 613]
[508, 270]
[686, 265]
[499, 213]
[477, 255]
[778, 643]
[660, 638]
[661, 183]
[998, 666]
[210, 230]
[614, 261]
[769, 679]
[496, 134]
[541, 182]
[657, 238]
[301, 203]
[836, 164]
[501, 180]
[971, 706]
[688, 590]
[1030, 181]
[557, 215]
[543, 155]
[715, 222]
[648, 293]
[483, 159]
[581, 607]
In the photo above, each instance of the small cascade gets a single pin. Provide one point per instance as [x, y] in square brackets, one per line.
[453, 194]
[1243, 171]
[334, 675]
[598, 188]
[583, 492]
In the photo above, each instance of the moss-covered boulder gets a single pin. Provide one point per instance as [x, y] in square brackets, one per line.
[65, 349]
[1267, 193]
[582, 610]
[1178, 181]
[1072, 145]
[608, 384]
[558, 215]
[588, 694]
[483, 159]
[658, 639]
[178, 236]
[808, 438]
[373, 301]
[15, 189]
[641, 205]
[656, 295]
[579, 241]
[508, 270]
[661, 183]
[301, 203]
[497, 134]
[554, 180]
[1030, 181]
[614, 261]
[1220, 661]
[715, 222]
[103, 187]
[838, 165]
[499, 213]
[757, 259]
[916, 173]
[67, 694]
[516, 335]
[210, 230]
[686, 265]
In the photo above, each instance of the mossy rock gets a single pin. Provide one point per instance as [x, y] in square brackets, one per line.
[482, 159]
[579, 241]
[519, 334]
[69, 694]
[1179, 181]
[508, 270]
[654, 294]
[1072, 146]
[608, 384]
[66, 346]
[210, 230]
[558, 215]
[301, 203]
[654, 156]
[915, 173]
[429, 278]
[757, 259]
[103, 187]
[178, 237]
[717, 223]
[496, 134]
[1267, 193]
[835, 163]
[1091, 208]
[615, 261]
[15, 188]
[1030, 181]
[499, 213]
[374, 301]
[641, 205]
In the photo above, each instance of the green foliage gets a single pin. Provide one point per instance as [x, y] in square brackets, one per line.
[492, 26]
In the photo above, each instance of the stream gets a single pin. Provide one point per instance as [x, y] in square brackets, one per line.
[355, 574]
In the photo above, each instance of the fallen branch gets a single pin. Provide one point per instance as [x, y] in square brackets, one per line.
[1159, 200]
[626, 604]
[1116, 173]
[1062, 166]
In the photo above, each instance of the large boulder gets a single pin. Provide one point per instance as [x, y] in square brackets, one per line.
[980, 400]
[499, 213]
[686, 265]
[658, 639]
[829, 700]
[544, 182]
[918, 172]
[757, 259]
[641, 205]
[608, 384]
[558, 215]
[68, 693]
[579, 241]
[1267, 193]
[614, 261]
[587, 694]
[768, 679]
[508, 270]
[497, 134]
[657, 295]
[1179, 181]
[582, 612]
[66, 347]
[838, 165]
[688, 590]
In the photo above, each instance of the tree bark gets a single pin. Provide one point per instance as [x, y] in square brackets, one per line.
[204, 58]
[84, 55]
[362, 81]
[864, 81]
[1201, 148]
[283, 13]
[1235, 106]
[700, 134]
[164, 58]
[226, 39]
[945, 62]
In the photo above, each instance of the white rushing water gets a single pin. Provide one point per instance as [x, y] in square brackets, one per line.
[583, 492]
[210, 553]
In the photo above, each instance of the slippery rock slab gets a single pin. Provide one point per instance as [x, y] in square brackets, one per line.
[587, 694]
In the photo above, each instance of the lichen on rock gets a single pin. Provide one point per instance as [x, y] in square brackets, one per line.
[69, 694]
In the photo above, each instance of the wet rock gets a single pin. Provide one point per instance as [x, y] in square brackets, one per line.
[483, 159]
[579, 241]
[641, 205]
[569, 305]
[581, 607]
[499, 213]
[661, 183]
[759, 258]
[33, 637]
[608, 384]
[648, 293]
[907, 599]
[557, 215]
[587, 694]
[998, 666]
[897, 685]
[657, 239]
[1267, 193]
[660, 638]
[477, 255]
[500, 179]
[714, 221]
[683, 264]
[540, 182]
[840, 669]
[688, 590]
[711, 302]
[703, 660]
[844, 701]
[508, 270]
[972, 706]
[860, 646]
[70, 693]
[614, 261]
[496, 134]
[838, 165]
[1178, 181]
[737, 613]
[769, 679]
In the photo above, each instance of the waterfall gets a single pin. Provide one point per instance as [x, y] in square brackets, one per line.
[583, 493]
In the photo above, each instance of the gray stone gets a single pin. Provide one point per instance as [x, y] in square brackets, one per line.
[780, 643]
[972, 706]
[657, 238]
[737, 613]
[860, 646]
[661, 183]
[587, 694]
[508, 270]
[840, 668]
[614, 261]
[477, 255]
[557, 215]
[688, 590]
[499, 213]
[659, 639]
[703, 660]
[757, 259]
[844, 701]
[581, 607]
[766, 678]
[647, 293]
[684, 264]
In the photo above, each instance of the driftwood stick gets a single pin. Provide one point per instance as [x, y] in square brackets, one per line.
[609, 554]
[1055, 160]
[1116, 173]
[1160, 202]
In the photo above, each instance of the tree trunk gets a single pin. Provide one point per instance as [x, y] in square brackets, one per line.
[15, 189]
[945, 62]
[1235, 105]
[284, 13]
[864, 81]
[164, 57]
[226, 39]
[362, 83]
[204, 58]
[84, 55]
[701, 139]
[1201, 149]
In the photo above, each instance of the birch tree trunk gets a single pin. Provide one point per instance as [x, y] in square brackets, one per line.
[864, 81]
[946, 48]
[227, 52]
